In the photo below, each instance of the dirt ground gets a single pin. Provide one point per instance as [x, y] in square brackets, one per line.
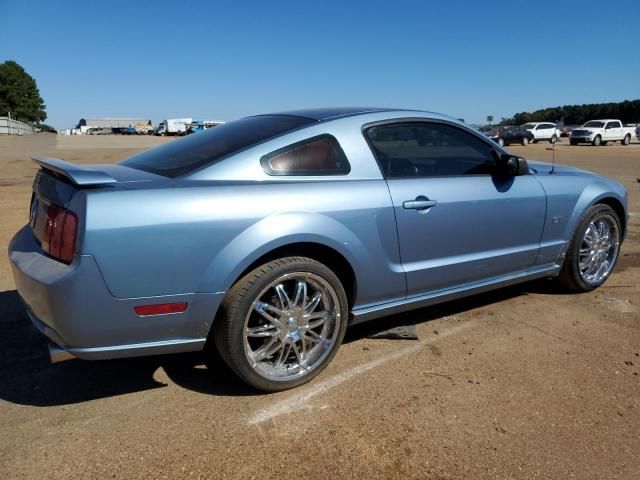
[519, 383]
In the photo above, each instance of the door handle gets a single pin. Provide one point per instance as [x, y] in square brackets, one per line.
[420, 203]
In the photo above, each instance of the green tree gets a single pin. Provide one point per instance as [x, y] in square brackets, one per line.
[19, 94]
[627, 111]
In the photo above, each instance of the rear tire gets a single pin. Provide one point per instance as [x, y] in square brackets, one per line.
[626, 140]
[589, 246]
[597, 141]
[282, 323]
[553, 139]
[501, 141]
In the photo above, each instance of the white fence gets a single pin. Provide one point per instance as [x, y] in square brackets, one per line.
[14, 127]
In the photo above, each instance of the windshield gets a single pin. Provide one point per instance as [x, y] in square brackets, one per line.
[193, 152]
[594, 124]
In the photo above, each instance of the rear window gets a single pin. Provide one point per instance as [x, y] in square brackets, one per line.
[189, 154]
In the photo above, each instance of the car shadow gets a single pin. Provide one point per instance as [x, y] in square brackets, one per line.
[28, 378]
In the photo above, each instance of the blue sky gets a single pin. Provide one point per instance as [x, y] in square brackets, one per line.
[224, 60]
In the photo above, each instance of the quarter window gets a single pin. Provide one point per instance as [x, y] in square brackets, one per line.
[320, 155]
[421, 149]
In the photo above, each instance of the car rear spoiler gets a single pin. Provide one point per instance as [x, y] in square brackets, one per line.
[79, 175]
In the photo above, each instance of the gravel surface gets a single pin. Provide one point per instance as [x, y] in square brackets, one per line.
[522, 382]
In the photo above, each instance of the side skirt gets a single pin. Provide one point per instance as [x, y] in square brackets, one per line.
[366, 313]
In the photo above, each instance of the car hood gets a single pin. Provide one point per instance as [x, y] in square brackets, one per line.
[543, 168]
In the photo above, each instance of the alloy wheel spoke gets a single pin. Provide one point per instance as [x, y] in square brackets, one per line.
[285, 302]
[300, 300]
[313, 336]
[591, 235]
[313, 303]
[270, 330]
[264, 308]
[602, 229]
[303, 344]
[319, 322]
[284, 354]
[299, 356]
[268, 349]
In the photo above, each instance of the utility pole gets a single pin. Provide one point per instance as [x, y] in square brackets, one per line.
[9, 129]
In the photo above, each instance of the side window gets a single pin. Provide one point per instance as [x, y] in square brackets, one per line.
[421, 149]
[611, 125]
[320, 155]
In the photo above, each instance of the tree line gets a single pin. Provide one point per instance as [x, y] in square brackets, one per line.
[627, 111]
[19, 95]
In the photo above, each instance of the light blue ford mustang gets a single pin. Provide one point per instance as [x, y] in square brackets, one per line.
[269, 235]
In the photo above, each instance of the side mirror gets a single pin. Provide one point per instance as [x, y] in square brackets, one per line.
[511, 166]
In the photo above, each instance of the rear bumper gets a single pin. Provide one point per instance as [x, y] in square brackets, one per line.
[72, 306]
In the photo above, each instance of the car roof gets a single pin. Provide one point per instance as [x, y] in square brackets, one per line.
[322, 114]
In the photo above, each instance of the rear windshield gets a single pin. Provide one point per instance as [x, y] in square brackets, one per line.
[187, 155]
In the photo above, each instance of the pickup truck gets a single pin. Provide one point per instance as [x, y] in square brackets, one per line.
[600, 132]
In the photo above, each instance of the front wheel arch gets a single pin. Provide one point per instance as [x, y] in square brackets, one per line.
[619, 209]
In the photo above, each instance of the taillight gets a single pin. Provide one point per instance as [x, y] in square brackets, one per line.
[59, 239]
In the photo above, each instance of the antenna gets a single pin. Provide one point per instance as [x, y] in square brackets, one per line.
[553, 149]
[553, 158]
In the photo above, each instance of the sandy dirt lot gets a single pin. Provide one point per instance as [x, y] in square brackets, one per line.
[520, 383]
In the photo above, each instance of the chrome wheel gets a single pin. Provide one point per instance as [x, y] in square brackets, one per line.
[291, 326]
[599, 249]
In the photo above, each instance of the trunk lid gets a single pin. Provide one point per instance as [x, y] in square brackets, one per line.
[57, 182]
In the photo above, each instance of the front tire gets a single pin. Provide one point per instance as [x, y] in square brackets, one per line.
[597, 141]
[593, 251]
[525, 141]
[573, 142]
[282, 323]
[501, 141]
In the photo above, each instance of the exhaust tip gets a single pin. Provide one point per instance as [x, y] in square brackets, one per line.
[57, 354]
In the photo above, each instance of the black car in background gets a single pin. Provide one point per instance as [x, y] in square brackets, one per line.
[511, 134]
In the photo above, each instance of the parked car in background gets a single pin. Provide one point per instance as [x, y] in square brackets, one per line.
[600, 132]
[566, 130]
[99, 131]
[508, 135]
[125, 131]
[202, 125]
[267, 236]
[543, 131]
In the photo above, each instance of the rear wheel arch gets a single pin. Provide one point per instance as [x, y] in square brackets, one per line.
[324, 254]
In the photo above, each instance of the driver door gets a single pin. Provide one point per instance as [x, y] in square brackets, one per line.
[457, 222]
